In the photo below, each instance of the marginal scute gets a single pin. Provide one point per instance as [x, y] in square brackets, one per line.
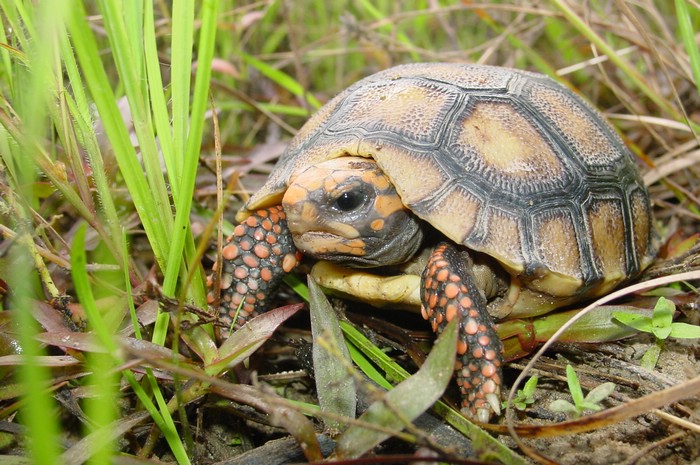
[556, 243]
[440, 213]
[644, 245]
[608, 238]
[504, 239]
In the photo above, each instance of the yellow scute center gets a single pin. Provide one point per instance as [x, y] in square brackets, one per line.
[506, 142]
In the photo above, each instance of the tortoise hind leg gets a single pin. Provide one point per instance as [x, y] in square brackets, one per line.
[450, 291]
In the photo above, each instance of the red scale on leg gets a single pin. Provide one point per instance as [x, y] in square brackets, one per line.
[258, 255]
[451, 292]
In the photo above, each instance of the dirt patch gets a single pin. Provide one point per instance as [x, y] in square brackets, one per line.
[646, 438]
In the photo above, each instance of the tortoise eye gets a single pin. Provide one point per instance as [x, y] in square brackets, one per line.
[350, 200]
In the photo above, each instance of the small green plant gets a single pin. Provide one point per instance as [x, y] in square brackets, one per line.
[590, 402]
[661, 325]
[523, 397]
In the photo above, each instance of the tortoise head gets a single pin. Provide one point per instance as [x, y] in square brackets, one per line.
[346, 210]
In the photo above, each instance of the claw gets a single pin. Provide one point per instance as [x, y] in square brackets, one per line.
[483, 415]
[494, 402]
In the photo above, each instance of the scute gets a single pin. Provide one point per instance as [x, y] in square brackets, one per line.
[497, 142]
[579, 125]
[505, 162]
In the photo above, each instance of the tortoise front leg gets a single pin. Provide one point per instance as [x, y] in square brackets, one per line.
[450, 291]
[255, 259]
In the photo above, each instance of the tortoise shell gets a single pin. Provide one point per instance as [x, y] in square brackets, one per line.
[505, 162]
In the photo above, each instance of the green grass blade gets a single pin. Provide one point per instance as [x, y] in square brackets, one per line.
[38, 414]
[182, 40]
[97, 82]
[156, 89]
[685, 27]
[200, 100]
[99, 408]
[118, 18]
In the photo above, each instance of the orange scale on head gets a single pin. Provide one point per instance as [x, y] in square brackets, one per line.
[377, 225]
[484, 340]
[252, 221]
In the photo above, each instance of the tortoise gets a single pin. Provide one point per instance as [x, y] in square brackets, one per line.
[499, 192]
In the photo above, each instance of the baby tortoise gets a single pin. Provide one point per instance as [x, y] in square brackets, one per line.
[479, 192]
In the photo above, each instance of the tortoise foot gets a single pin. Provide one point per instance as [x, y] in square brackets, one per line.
[449, 291]
[255, 259]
